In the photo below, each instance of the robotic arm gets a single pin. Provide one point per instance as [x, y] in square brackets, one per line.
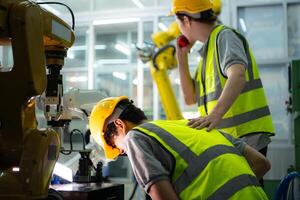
[162, 58]
[28, 155]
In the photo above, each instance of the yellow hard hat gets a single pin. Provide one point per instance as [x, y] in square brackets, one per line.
[196, 6]
[217, 4]
[99, 115]
[191, 6]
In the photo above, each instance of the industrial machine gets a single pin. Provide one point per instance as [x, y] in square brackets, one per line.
[161, 57]
[82, 159]
[78, 105]
[294, 105]
[288, 188]
[39, 39]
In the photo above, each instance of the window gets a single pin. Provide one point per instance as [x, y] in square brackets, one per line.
[6, 58]
[277, 93]
[76, 55]
[263, 26]
[293, 17]
[115, 44]
[75, 79]
[147, 78]
[115, 83]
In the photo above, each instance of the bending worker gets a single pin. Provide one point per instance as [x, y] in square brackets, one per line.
[226, 86]
[171, 160]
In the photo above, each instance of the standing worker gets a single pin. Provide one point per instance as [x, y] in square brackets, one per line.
[171, 160]
[226, 86]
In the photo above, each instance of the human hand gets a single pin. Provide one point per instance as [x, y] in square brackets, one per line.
[210, 121]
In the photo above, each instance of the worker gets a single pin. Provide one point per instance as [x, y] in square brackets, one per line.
[226, 85]
[171, 160]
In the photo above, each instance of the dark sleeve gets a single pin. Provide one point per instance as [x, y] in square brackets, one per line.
[238, 143]
[146, 165]
[231, 50]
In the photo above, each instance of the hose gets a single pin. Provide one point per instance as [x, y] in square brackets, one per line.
[283, 187]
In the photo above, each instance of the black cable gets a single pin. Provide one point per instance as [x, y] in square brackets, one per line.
[160, 51]
[82, 137]
[85, 112]
[68, 152]
[133, 191]
[87, 136]
[70, 10]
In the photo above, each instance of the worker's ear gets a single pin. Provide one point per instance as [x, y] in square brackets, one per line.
[119, 124]
[186, 21]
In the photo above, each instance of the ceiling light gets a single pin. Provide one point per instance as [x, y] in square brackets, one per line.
[138, 3]
[243, 25]
[135, 81]
[16, 169]
[162, 26]
[100, 46]
[122, 48]
[84, 47]
[77, 79]
[79, 48]
[112, 61]
[71, 55]
[115, 21]
[120, 75]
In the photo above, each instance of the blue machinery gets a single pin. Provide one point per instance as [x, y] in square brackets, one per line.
[285, 187]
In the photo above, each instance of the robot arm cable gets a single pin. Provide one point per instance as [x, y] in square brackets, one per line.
[68, 152]
[82, 137]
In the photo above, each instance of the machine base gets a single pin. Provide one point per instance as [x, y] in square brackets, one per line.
[91, 191]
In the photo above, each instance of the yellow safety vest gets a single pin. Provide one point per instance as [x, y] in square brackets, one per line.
[250, 112]
[207, 165]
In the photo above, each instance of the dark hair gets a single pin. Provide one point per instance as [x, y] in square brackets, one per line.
[130, 113]
[110, 131]
[207, 16]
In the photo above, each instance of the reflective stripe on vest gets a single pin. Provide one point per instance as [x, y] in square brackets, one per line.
[196, 164]
[238, 114]
[234, 185]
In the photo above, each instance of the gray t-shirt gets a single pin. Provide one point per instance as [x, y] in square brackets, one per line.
[230, 49]
[151, 162]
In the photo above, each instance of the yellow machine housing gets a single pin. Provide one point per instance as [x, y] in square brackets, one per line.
[28, 155]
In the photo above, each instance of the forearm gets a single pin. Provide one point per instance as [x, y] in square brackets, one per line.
[186, 80]
[258, 163]
[162, 190]
[232, 89]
